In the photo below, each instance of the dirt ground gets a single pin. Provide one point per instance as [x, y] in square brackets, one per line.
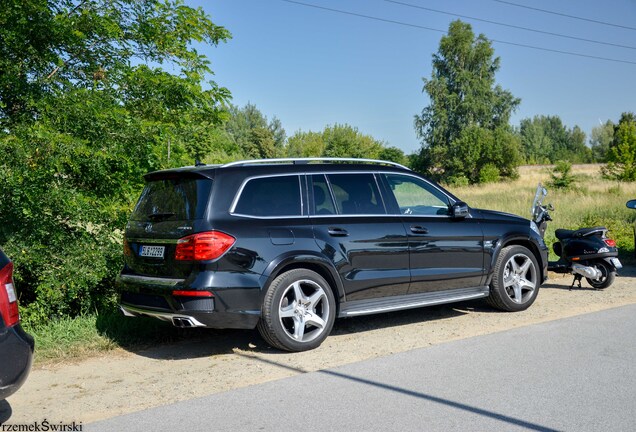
[122, 382]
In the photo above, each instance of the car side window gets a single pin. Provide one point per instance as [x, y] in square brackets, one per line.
[323, 201]
[270, 196]
[417, 197]
[356, 194]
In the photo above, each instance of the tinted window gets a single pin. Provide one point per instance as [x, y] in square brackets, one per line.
[270, 196]
[356, 194]
[323, 201]
[416, 196]
[174, 199]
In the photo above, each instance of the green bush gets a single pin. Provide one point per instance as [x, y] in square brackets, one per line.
[489, 173]
[561, 176]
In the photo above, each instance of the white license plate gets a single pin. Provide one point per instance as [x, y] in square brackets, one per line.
[152, 251]
[11, 293]
[616, 263]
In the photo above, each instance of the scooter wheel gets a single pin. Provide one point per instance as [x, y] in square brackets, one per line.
[608, 274]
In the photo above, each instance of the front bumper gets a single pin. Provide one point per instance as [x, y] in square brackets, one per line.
[16, 357]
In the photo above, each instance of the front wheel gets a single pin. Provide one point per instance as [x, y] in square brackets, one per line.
[515, 283]
[298, 311]
[608, 274]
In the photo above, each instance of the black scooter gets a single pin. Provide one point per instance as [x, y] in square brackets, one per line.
[586, 253]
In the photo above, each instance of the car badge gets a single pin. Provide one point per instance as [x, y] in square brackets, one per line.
[148, 227]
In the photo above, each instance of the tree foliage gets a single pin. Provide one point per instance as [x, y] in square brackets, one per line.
[601, 139]
[253, 135]
[93, 94]
[546, 140]
[621, 156]
[468, 112]
[341, 140]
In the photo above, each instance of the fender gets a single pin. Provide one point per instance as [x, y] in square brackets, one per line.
[520, 239]
[296, 259]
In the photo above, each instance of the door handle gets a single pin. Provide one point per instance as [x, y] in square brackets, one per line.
[416, 229]
[337, 232]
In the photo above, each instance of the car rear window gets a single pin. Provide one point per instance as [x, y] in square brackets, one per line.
[173, 199]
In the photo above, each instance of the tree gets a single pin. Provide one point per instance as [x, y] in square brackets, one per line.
[601, 139]
[305, 144]
[87, 108]
[253, 134]
[463, 95]
[347, 141]
[621, 156]
[545, 139]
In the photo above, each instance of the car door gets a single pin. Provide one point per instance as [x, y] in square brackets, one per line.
[368, 246]
[444, 252]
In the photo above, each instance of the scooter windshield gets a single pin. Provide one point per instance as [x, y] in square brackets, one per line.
[537, 204]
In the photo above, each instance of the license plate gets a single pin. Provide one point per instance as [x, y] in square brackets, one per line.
[11, 293]
[152, 251]
[616, 263]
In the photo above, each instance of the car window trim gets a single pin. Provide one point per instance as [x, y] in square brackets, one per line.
[451, 200]
[378, 186]
[237, 197]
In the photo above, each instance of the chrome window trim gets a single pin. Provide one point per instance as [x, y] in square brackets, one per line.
[326, 173]
[451, 201]
[237, 197]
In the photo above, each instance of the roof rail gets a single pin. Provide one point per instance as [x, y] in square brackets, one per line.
[309, 160]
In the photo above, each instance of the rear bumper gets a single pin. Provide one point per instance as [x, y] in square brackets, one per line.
[236, 307]
[16, 357]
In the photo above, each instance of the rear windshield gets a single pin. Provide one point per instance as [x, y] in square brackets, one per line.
[173, 199]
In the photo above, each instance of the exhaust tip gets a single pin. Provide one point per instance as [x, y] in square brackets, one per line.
[182, 322]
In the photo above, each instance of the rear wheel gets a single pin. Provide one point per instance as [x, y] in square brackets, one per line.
[608, 274]
[298, 311]
[515, 284]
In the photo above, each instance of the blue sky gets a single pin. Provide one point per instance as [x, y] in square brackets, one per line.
[312, 68]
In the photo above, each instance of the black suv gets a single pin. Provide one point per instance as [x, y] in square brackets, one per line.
[288, 245]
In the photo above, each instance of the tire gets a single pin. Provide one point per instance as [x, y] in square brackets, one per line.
[607, 278]
[292, 325]
[515, 284]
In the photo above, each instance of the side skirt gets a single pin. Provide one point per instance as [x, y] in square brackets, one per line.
[388, 304]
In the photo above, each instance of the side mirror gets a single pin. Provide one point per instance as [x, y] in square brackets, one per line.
[631, 204]
[459, 210]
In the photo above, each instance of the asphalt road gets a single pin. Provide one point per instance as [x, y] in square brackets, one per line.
[575, 374]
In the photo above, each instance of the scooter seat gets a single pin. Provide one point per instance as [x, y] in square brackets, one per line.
[563, 234]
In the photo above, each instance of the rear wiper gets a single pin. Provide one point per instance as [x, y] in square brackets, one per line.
[159, 216]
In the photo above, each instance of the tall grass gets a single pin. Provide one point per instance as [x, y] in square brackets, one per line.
[593, 201]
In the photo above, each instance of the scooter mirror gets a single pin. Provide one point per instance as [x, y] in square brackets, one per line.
[631, 204]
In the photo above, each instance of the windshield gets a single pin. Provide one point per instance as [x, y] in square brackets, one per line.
[173, 199]
[539, 195]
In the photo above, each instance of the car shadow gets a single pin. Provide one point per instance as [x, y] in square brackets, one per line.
[5, 411]
[182, 344]
[171, 343]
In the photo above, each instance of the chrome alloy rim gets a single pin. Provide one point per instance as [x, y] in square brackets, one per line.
[520, 278]
[304, 310]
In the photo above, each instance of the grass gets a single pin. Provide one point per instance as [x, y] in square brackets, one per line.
[72, 339]
[593, 201]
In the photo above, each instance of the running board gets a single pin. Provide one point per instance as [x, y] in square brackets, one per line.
[389, 304]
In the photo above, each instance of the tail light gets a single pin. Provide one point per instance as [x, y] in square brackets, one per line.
[8, 298]
[203, 246]
[127, 249]
[610, 242]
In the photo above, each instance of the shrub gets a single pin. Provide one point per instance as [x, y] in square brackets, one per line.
[489, 173]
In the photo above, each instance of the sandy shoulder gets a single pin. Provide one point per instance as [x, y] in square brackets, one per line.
[122, 382]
